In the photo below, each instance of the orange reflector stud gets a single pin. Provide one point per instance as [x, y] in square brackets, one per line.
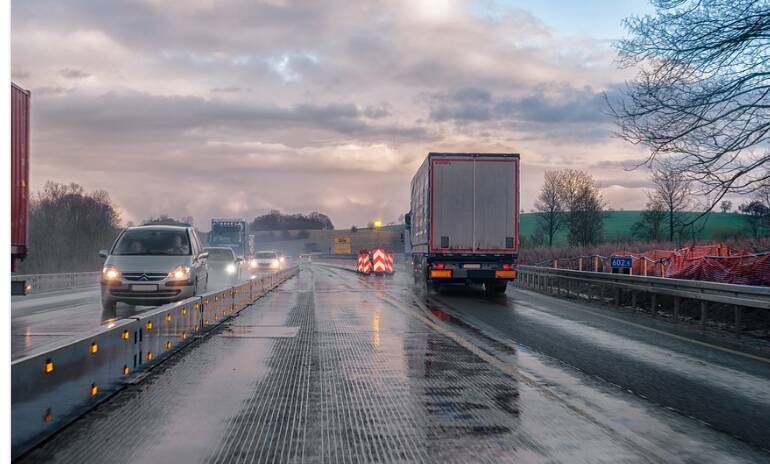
[184, 335]
[168, 317]
[125, 369]
[505, 274]
[184, 311]
[124, 335]
[48, 416]
[94, 389]
[168, 345]
[149, 325]
[48, 366]
[149, 356]
[440, 274]
[94, 348]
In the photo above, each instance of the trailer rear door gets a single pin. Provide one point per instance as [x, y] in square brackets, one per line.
[495, 204]
[452, 204]
[474, 204]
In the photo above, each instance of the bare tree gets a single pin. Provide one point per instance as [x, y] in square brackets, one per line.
[548, 204]
[580, 198]
[701, 93]
[650, 227]
[757, 216]
[67, 226]
[673, 193]
[726, 206]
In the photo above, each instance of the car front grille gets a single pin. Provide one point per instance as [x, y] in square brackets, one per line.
[145, 295]
[144, 276]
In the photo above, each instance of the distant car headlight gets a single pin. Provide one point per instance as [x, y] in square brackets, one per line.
[282, 259]
[230, 269]
[110, 273]
[253, 263]
[275, 263]
[180, 273]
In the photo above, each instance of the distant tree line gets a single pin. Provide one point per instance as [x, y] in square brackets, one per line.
[275, 220]
[67, 228]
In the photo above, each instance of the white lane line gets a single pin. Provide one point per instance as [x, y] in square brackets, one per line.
[644, 327]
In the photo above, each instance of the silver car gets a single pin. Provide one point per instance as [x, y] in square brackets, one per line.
[268, 260]
[224, 267]
[153, 265]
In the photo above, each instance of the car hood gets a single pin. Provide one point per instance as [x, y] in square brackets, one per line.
[147, 263]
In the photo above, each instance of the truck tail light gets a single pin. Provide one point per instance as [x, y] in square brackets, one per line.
[438, 266]
[440, 274]
[507, 266]
[505, 274]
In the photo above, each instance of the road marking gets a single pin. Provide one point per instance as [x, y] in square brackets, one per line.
[515, 373]
[644, 327]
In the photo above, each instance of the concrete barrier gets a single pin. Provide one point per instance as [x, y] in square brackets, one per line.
[53, 387]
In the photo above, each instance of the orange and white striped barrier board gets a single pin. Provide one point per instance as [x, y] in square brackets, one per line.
[379, 261]
[364, 263]
[389, 263]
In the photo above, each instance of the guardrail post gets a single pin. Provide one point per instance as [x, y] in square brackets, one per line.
[738, 316]
[617, 296]
[580, 263]
[676, 309]
[633, 299]
[703, 308]
[644, 266]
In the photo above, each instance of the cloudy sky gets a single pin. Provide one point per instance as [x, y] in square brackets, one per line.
[233, 107]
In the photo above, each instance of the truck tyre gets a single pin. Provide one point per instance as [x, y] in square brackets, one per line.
[495, 288]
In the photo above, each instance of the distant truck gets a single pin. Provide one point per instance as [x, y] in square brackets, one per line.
[230, 233]
[464, 220]
[20, 105]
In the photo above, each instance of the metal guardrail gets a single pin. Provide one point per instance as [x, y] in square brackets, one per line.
[46, 282]
[594, 285]
[52, 387]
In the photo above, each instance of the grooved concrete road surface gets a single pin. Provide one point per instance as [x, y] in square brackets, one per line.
[336, 367]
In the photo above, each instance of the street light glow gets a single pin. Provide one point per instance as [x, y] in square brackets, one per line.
[377, 223]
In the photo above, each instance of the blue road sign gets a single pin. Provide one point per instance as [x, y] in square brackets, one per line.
[621, 262]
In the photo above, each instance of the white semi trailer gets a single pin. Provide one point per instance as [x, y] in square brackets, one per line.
[464, 220]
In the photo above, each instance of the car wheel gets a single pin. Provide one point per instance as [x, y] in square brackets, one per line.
[108, 304]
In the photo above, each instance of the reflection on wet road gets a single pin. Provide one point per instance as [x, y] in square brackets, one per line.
[41, 320]
[334, 367]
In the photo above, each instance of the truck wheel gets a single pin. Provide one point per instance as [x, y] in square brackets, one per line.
[108, 304]
[495, 288]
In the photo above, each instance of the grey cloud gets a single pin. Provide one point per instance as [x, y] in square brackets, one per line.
[473, 104]
[72, 73]
[140, 114]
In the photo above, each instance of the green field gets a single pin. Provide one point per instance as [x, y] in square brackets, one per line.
[618, 224]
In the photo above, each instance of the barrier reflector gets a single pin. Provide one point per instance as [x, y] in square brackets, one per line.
[389, 262]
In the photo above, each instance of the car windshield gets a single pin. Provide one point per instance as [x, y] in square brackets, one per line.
[266, 256]
[153, 242]
[220, 254]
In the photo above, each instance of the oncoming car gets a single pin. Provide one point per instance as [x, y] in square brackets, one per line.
[152, 265]
[224, 266]
[269, 260]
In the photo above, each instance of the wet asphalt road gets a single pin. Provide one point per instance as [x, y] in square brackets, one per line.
[42, 320]
[336, 367]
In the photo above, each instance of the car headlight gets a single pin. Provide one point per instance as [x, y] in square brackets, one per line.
[230, 269]
[253, 263]
[282, 259]
[110, 273]
[275, 263]
[180, 273]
